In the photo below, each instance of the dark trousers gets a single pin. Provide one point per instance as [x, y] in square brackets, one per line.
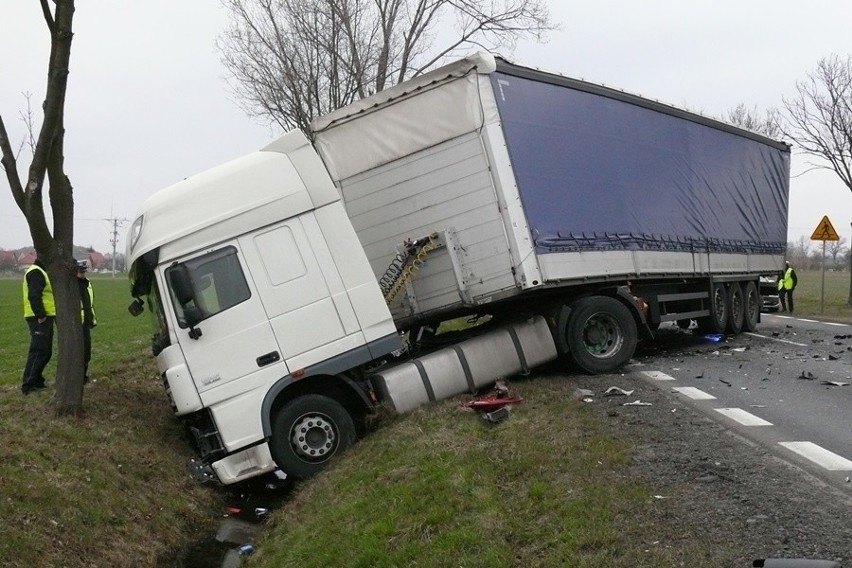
[40, 352]
[87, 350]
[786, 297]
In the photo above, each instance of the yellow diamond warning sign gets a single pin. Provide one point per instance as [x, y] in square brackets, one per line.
[825, 231]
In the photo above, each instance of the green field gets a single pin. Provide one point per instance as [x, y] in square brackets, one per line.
[834, 303]
[116, 340]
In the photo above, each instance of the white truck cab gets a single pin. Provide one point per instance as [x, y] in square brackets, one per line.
[256, 281]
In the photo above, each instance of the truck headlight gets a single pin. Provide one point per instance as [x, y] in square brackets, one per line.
[135, 231]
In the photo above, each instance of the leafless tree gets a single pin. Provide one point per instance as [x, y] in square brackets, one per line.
[48, 169]
[819, 117]
[834, 248]
[798, 252]
[749, 118]
[294, 60]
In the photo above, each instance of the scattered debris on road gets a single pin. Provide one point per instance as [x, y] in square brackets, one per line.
[636, 402]
[617, 391]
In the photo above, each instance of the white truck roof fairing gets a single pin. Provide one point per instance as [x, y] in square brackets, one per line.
[450, 94]
[284, 179]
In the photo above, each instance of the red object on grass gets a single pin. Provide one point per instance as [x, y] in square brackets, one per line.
[489, 402]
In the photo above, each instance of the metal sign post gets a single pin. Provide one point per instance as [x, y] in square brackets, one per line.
[824, 232]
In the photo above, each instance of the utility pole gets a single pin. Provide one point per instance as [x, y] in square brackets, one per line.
[116, 223]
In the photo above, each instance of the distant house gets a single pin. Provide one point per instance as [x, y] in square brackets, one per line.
[26, 259]
[96, 260]
[8, 260]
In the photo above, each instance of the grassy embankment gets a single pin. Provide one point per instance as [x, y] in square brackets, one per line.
[433, 488]
[106, 489]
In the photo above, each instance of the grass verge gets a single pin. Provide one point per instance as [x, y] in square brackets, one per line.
[106, 489]
[832, 302]
[441, 487]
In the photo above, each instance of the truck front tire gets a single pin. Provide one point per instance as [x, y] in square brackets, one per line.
[307, 432]
[600, 334]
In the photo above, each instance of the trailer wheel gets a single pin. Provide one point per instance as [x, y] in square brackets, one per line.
[752, 301]
[736, 308]
[307, 432]
[717, 321]
[601, 334]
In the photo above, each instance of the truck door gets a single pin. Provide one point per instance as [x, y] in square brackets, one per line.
[222, 327]
[310, 313]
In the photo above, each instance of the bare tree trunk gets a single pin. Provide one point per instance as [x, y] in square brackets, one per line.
[56, 249]
[849, 301]
[68, 396]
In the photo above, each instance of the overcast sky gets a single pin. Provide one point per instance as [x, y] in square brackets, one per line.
[148, 105]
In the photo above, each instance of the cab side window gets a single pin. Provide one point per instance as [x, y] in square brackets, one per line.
[217, 282]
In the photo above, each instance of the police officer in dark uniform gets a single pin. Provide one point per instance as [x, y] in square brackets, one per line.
[39, 313]
[87, 306]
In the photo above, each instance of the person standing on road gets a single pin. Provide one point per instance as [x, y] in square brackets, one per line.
[786, 284]
[39, 313]
[87, 307]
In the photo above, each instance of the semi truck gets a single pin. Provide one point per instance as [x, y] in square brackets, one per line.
[461, 227]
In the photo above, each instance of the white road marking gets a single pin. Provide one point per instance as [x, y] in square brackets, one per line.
[743, 417]
[657, 376]
[776, 339]
[694, 393]
[809, 320]
[819, 456]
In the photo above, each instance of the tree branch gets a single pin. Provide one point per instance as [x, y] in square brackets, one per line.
[10, 165]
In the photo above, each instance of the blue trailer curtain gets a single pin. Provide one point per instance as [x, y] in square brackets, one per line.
[599, 173]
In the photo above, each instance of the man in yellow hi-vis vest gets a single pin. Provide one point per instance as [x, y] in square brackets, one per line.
[39, 313]
[786, 284]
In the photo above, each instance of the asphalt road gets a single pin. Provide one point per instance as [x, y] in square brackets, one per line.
[788, 386]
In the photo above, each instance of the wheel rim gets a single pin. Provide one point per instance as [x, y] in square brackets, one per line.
[602, 336]
[752, 304]
[719, 303]
[737, 306]
[313, 437]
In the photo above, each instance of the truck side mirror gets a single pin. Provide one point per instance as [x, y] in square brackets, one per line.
[192, 315]
[136, 307]
[181, 284]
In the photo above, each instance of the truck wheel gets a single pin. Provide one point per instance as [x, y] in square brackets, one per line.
[601, 334]
[307, 432]
[752, 302]
[717, 321]
[736, 308]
